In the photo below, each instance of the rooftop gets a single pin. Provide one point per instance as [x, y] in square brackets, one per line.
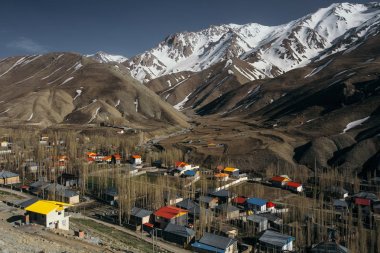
[169, 212]
[7, 174]
[179, 230]
[275, 238]
[46, 207]
[217, 241]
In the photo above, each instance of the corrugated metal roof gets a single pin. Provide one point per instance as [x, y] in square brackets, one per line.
[275, 238]
[216, 241]
[139, 212]
[179, 230]
[227, 208]
[45, 206]
[256, 218]
[257, 201]
[207, 247]
[7, 174]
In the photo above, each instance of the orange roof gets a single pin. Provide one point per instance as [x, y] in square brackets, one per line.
[180, 164]
[136, 156]
[90, 159]
[169, 212]
[91, 154]
[221, 175]
[279, 179]
[117, 156]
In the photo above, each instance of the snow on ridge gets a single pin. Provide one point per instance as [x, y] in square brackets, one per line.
[18, 62]
[30, 117]
[317, 70]
[52, 73]
[180, 105]
[67, 80]
[79, 92]
[94, 115]
[355, 123]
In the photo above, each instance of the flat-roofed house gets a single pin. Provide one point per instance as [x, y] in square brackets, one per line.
[180, 235]
[8, 178]
[211, 243]
[50, 214]
[233, 172]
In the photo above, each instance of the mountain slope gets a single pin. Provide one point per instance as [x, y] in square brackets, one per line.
[68, 88]
[103, 57]
[270, 50]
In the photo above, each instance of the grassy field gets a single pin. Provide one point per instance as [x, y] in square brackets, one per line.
[126, 240]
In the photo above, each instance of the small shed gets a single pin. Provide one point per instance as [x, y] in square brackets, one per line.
[224, 196]
[228, 211]
[259, 223]
[233, 172]
[177, 234]
[294, 187]
[207, 201]
[340, 205]
[277, 242]
[139, 216]
[279, 181]
[274, 221]
[170, 214]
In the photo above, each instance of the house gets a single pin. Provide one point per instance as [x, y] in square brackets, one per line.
[189, 205]
[259, 223]
[221, 176]
[224, 196]
[68, 180]
[228, 230]
[110, 195]
[172, 198]
[279, 181]
[31, 166]
[274, 221]
[26, 203]
[207, 201]
[190, 173]
[38, 187]
[294, 187]
[211, 243]
[50, 214]
[177, 234]
[60, 192]
[8, 178]
[228, 211]
[170, 214]
[112, 159]
[272, 241]
[136, 160]
[329, 247]
[139, 216]
[340, 205]
[364, 198]
[257, 204]
[233, 172]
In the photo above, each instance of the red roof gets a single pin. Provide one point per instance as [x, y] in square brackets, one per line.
[148, 225]
[169, 212]
[239, 200]
[362, 202]
[180, 164]
[136, 156]
[294, 184]
[278, 179]
[270, 204]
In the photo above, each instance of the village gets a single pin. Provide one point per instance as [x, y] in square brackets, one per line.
[169, 201]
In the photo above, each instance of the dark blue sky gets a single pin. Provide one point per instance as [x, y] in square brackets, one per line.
[128, 27]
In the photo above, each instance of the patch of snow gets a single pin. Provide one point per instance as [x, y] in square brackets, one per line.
[317, 70]
[118, 103]
[67, 80]
[180, 105]
[79, 92]
[30, 117]
[355, 124]
[7, 110]
[94, 115]
[230, 72]
[52, 73]
[18, 62]
[167, 96]
[228, 63]
[168, 81]
[78, 66]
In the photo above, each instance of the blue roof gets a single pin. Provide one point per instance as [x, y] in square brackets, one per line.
[207, 247]
[190, 173]
[257, 201]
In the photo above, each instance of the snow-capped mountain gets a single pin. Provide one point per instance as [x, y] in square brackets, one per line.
[103, 57]
[271, 50]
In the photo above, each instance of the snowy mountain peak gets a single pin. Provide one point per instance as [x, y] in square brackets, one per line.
[103, 57]
[271, 50]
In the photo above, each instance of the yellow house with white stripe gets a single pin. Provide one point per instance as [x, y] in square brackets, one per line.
[50, 214]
